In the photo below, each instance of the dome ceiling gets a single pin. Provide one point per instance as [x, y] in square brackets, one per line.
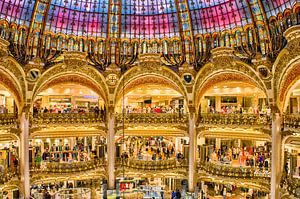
[143, 18]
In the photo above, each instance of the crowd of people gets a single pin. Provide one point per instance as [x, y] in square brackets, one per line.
[245, 156]
[67, 109]
[150, 148]
[59, 153]
[155, 109]
[240, 110]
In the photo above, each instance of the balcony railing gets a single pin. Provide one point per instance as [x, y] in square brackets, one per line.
[292, 121]
[6, 176]
[156, 118]
[8, 120]
[56, 167]
[230, 171]
[234, 119]
[292, 186]
[66, 118]
[152, 165]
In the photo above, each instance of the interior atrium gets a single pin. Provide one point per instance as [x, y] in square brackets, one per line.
[181, 99]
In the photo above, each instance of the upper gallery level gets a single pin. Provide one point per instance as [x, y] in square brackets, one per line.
[141, 19]
[117, 32]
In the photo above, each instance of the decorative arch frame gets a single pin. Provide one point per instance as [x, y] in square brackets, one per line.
[213, 73]
[286, 70]
[137, 72]
[83, 75]
[12, 77]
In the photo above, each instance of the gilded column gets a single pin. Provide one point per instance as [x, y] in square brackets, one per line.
[276, 156]
[111, 150]
[192, 150]
[24, 151]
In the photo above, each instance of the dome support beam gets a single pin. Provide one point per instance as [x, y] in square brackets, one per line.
[38, 21]
[258, 19]
[114, 19]
[185, 25]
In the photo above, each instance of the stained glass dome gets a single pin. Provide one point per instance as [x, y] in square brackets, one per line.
[141, 18]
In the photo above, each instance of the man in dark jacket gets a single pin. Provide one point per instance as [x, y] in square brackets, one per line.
[178, 194]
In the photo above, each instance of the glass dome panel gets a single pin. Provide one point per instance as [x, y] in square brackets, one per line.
[273, 7]
[17, 11]
[215, 16]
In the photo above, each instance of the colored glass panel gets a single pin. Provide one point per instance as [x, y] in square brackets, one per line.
[273, 7]
[215, 16]
[149, 19]
[18, 11]
[78, 17]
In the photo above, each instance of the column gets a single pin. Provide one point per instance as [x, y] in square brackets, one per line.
[298, 104]
[71, 143]
[239, 144]
[111, 151]
[94, 143]
[218, 143]
[85, 144]
[218, 103]
[24, 158]
[276, 153]
[192, 151]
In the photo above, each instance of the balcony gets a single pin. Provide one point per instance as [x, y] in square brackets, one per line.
[152, 118]
[8, 120]
[66, 119]
[240, 120]
[57, 167]
[144, 165]
[6, 176]
[291, 186]
[230, 171]
[152, 124]
[291, 122]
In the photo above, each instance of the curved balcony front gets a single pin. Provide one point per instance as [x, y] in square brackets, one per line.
[234, 120]
[154, 123]
[291, 186]
[8, 120]
[152, 165]
[292, 123]
[57, 167]
[7, 175]
[58, 124]
[235, 172]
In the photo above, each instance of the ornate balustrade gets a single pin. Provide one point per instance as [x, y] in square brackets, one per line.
[156, 118]
[6, 176]
[292, 186]
[291, 122]
[46, 119]
[151, 165]
[234, 119]
[229, 171]
[8, 120]
[56, 167]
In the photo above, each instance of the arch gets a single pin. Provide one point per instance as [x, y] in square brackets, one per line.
[212, 73]
[137, 74]
[83, 75]
[286, 69]
[12, 77]
[289, 81]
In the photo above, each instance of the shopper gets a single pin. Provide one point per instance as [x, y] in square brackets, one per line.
[173, 195]
[178, 194]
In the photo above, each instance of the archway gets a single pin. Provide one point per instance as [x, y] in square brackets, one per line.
[291, 100]
[150, 94]
[76, 133]
[230, 96]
